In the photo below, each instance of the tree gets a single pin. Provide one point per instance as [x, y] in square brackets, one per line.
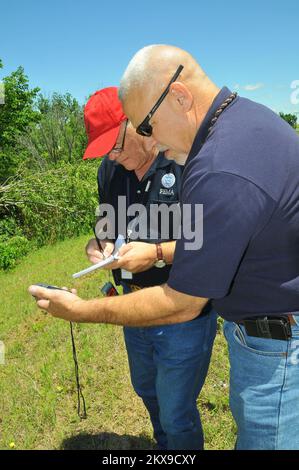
[1, 87]
[60, 134]
[16, 114]
[290, 118]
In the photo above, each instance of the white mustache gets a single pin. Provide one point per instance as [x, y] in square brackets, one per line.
[161, 148]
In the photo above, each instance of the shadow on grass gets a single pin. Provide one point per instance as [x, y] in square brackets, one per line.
[106, 441]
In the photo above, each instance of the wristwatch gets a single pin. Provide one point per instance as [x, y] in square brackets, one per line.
[160, 263]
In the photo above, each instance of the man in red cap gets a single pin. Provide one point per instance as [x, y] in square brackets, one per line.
[164, 373]
[103, 116]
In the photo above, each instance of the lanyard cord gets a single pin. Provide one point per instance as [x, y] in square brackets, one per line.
[221, 108]
[80, 395]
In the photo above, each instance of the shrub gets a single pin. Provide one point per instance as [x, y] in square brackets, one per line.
[54, 204]
[11, 250]
[9, 228]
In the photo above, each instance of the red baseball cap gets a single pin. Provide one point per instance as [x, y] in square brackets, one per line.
[103, 116]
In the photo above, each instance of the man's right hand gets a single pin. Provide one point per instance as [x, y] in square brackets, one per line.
[94, 254]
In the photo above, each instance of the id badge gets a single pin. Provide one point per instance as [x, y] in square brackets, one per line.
[126, 274]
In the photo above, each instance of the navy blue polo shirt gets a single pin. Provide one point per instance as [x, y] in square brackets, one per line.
[246, 175]
[164, 177]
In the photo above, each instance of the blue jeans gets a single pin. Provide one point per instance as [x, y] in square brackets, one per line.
[264, 389]
[168, 366]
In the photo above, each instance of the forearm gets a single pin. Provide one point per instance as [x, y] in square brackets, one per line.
[152, 306]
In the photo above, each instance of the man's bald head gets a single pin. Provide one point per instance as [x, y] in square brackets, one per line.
[151, 68]
[147, 76]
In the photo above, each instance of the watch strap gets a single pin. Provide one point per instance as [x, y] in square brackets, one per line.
[159, 252]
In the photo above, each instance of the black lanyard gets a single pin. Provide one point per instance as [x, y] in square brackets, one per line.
[80, 396]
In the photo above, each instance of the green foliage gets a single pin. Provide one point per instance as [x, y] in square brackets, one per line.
[11, 250]
[46, 192]
[9, 228]
[1, 87]
[59, 135]
[37, 132]
[290, 118]
[13, 245]
[51, 205]
[16, 114]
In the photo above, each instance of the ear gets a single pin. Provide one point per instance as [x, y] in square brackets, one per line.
[182, 96]
[149, 144]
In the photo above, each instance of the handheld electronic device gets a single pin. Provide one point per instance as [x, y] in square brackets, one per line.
[48, 286]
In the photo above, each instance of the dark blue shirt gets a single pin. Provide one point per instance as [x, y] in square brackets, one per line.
[246, 175]
[114, 181]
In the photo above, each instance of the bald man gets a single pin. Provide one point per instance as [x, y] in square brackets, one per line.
[164, 373]
[241, 163]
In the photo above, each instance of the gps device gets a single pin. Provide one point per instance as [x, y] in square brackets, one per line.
[48, 286]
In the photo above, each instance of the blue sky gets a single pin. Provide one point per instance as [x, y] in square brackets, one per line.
[79, 46]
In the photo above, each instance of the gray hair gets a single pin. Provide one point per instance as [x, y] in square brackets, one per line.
[137, 72]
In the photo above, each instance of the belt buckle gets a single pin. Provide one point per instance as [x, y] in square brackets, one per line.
[135, 288]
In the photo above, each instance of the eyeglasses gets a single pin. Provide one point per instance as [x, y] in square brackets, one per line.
[119, 148]
[145, 128]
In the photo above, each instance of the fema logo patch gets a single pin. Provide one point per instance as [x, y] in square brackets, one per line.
[168, 180]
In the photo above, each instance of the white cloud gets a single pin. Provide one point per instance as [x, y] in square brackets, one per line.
[253, 87]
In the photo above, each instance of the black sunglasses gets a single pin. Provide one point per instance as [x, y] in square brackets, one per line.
[119, 148]
[145, 128]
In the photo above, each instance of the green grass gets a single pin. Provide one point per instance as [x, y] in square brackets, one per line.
[37, 383]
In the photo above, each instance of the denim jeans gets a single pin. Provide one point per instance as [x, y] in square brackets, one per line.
[168, 366]
[264, 389]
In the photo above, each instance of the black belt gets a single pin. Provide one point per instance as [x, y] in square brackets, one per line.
[271, 327]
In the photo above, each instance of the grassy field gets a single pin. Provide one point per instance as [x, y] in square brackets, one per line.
[37, 382]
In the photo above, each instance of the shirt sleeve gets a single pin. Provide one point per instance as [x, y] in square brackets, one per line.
[234, 210]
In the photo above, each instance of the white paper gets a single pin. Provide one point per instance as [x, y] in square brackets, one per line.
[119, 242]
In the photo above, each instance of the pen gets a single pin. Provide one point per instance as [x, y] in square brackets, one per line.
[99, 243]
